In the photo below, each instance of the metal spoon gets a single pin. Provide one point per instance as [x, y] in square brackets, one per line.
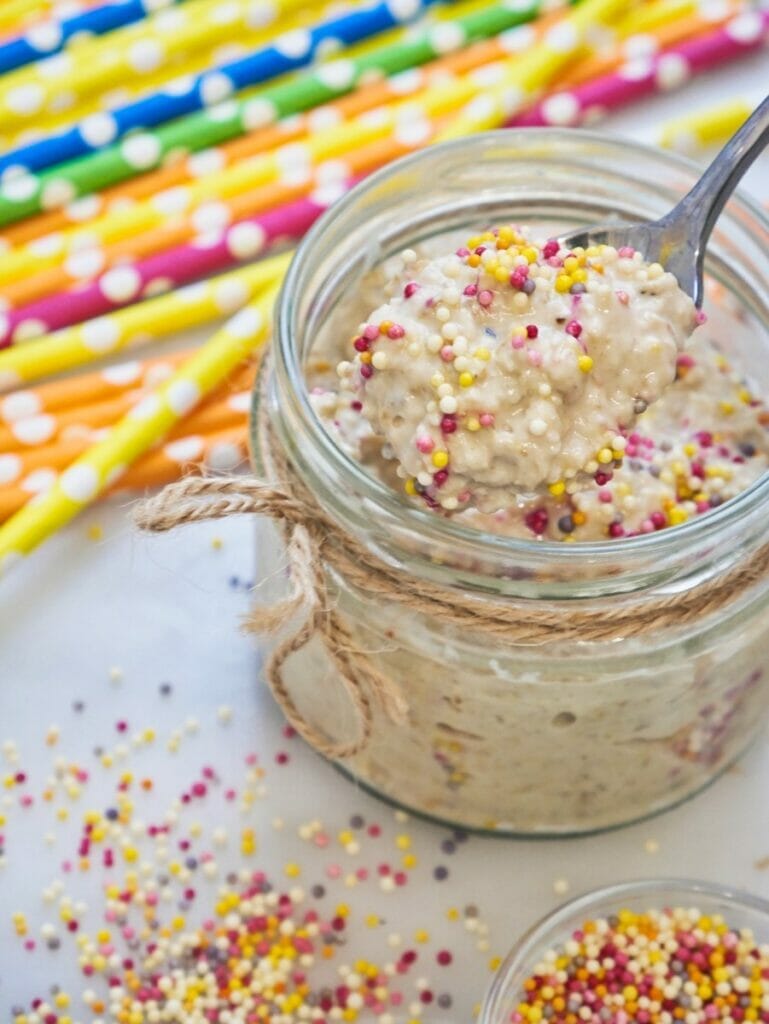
[678, 240]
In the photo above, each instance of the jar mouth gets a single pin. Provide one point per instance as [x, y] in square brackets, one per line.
[383, 499]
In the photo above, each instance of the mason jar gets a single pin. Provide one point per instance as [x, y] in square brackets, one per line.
[556, 732]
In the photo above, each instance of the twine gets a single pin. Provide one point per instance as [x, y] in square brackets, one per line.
[316, 543]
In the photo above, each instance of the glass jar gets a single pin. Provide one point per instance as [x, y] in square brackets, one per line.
[739, 910]
[528, 738]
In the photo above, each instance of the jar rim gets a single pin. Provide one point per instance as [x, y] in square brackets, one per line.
[444, 529]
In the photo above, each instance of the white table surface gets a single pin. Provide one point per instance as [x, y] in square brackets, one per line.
[106, 622]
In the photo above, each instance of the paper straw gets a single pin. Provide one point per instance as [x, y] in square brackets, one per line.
[534, 70]
[709, 127]
[68, 111]
[223, 451]
[142, 428]
[86, 388]
[97, 65]
[60, 185]
[35, 433]
[639, 46]
[291, 51]
[137, 325]
[658, 73]
[173, 267]
[49, 37]
[202, 200]
[59, 277]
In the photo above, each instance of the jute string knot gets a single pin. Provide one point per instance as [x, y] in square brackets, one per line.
[196, 499]
[316, 542]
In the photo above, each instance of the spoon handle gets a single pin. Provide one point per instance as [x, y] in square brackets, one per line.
[697, 213]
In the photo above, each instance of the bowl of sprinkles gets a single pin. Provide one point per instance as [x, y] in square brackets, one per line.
[646, 952]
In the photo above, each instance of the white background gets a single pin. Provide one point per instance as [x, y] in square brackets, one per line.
[106, 622]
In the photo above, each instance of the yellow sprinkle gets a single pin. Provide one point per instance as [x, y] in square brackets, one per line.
[585, 363]
[494, 963]
[403, 842]
[452, 914]
[95, 532]
[473, 423]
[421, 936]
[483, 354]
[501, 274]
[563, 283]
[726, 408]
[690, 449]
[745, 396]
[677, 515]
[440, 459]
[371, 920]
[292, 870]
[570, 264]
[409, 861]
[557, 488]
[605, 456]
[410, 486]
[217, 543]
[530, 253]
[342, 910]
[519, 332]
[466, 379]
[473, 259]
[579, 276]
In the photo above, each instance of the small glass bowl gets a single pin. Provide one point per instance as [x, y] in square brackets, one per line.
[739, 910]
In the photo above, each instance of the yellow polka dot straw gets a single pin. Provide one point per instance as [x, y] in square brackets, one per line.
[522, 80]
[139, 430]
[103, 63]
[709, 127]
[137, 325]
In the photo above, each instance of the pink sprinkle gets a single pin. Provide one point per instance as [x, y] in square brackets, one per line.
[425, 444]
[411, 288]
[251, 759]
[448, 426]
[361, 344]
[29, 945]
[626, 252]
[623, 297]
[447, 353]
[396, 331]
[321, 840]
[371, 332]
[518, 342]
[700, 317]
[334, 871]
[550, 248]
[485, 297]
[604, 496]
[534, 357]
[574, 328]
[361, 874]
[658, 520]
[366, 371]
[440, 478]
[647, 526]
[486, 419]
[471, 289]
[532, 331]
[616, 530]
[685, 360]
[396, 998]
[463, 252]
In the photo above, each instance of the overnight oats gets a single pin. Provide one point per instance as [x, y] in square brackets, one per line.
[540, 475]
